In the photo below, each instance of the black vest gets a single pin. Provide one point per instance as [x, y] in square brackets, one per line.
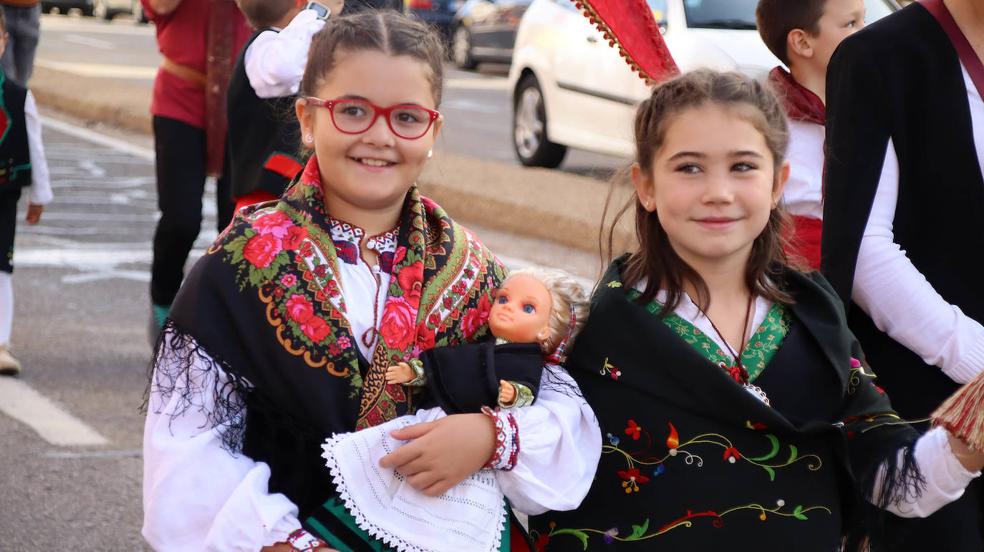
[690, 461]
[900, 78]
[264, 136]
[15, 156]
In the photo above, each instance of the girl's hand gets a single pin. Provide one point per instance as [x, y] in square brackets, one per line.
[400, 374]
[442, 453]
[34, 213]
[972, 460]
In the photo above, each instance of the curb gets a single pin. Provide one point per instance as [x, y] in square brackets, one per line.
[538, 203]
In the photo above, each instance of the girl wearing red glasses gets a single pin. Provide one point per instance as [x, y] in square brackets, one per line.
[282, 333]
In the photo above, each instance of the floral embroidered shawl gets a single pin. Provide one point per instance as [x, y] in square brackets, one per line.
[691, 461]
[265, 306]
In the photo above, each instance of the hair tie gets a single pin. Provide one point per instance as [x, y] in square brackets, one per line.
[559, 354]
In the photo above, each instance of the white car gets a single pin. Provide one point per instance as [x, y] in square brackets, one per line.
[572, 89]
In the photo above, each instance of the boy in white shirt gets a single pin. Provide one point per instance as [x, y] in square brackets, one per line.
[803, 35]
[264, 136]
[23, 165]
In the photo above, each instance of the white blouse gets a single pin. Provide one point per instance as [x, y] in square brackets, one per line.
[898, 298]
[803, 195]
[198, 496]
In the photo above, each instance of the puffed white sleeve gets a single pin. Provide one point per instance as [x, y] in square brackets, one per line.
[559, 445]
[943, 477]
[40, 193]
[196, 494]
[899, 299]
[275, 61]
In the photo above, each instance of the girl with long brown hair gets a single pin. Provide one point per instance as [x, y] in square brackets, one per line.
[737, 410]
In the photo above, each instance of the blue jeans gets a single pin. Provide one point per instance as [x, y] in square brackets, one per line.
[24, 27]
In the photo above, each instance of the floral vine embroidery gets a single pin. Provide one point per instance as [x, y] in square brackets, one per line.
[642, 531]
[632, 476]
[609, 369]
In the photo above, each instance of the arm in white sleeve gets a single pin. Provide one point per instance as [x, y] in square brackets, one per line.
[899, 299]
[196, 494]
[559, 449]
[40, 193]
[275, 61]
[945, 478]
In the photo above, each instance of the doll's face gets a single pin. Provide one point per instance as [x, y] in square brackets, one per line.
[521, 312]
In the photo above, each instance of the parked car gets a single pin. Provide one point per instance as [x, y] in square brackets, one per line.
[572, 89]
[105, 9]
[485, 30]
[63, 6]
[437, 13]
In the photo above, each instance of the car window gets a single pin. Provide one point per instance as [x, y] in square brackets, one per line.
[659, 10]
[720, 14]
[876, 9]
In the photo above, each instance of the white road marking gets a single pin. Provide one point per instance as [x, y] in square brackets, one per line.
[146, 154]
[88, 277]
[475, 105]
[74, 24]
[56, 426]
[101, 70]
[89, 41]
[71, 455]
[477, 84]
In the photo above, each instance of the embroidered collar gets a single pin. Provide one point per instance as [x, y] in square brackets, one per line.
[763, 344]
[800, 103]
[347, 239]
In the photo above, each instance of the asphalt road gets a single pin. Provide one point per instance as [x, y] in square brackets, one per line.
[476, 106]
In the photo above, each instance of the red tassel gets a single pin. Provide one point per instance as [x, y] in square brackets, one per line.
[963, 414]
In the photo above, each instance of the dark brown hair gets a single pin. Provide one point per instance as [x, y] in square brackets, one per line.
[655, 261]
[384, 31]
[777, 18]
[3, 23]
[265, 13]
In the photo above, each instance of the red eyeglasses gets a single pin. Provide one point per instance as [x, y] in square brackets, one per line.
[353, 116]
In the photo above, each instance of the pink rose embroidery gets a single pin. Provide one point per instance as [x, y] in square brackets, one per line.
[276, 224]
[261, 249]
[299, 309]
[397, 325]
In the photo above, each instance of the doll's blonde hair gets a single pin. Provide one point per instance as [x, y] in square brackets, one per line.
[566, 296]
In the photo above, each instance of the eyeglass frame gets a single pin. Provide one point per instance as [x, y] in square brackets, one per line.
[379, 111]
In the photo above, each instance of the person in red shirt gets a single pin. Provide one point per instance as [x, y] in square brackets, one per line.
[200, 40]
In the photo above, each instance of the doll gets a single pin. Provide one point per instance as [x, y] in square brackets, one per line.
[520, 321]
[534, 317]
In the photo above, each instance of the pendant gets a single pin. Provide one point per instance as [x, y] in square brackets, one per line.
[757, 392]
[369, 337]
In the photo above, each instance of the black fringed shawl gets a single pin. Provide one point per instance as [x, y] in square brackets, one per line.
[264, 305]
[691, 461]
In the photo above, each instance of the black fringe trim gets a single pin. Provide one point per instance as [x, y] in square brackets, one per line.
[181, 362]
[553, 382]
[902, 482]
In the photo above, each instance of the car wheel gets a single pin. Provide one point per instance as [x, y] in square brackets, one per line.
[101, 10]
[461, 49]
[530, 141]
[139, 14]
[88, 9]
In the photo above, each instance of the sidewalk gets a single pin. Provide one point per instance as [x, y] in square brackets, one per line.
[536, 204]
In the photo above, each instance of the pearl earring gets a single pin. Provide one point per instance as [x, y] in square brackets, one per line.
[308, 138]
[430, 153]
